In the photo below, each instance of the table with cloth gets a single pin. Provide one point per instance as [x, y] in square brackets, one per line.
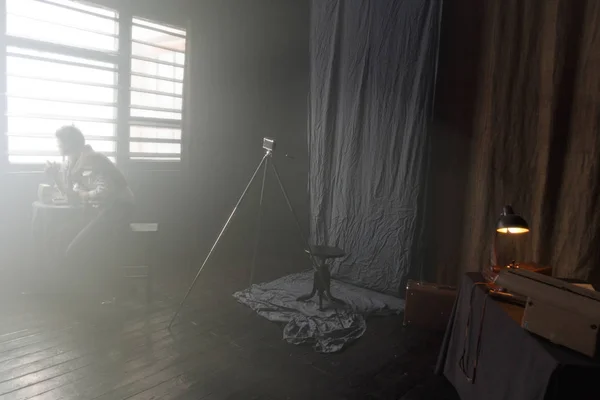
[54, 225]
[486, 354]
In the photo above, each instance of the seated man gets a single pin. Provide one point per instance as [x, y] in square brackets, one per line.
[89, 177]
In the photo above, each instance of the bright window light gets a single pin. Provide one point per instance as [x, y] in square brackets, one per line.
[49, 89]
[157, 73]
[63, 66]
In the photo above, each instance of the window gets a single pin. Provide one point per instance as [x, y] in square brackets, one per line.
[64, 66]
[157, 72]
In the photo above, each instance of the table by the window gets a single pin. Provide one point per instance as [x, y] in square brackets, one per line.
[53, 226]
[492, 357]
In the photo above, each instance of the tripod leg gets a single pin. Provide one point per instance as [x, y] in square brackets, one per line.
[258, 223]
[218, 238]
[289, 204]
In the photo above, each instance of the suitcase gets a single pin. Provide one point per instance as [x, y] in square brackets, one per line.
[428, 305]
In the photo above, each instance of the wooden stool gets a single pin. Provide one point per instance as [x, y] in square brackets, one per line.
[142, 240]
[322, 276]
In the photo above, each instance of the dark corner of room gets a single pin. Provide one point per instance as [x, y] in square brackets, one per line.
[294, 199]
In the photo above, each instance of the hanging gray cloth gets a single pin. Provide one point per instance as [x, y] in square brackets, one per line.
[373, 68]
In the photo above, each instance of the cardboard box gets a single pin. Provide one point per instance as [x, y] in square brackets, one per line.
[559, 311]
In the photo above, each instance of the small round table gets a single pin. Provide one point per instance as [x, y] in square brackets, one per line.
[322, 275]
[49, 223]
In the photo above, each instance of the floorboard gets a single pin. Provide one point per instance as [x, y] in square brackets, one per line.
[70, 347]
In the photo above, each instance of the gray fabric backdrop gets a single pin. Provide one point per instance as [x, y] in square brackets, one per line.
[373, 67]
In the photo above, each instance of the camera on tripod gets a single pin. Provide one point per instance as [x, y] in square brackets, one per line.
[265, 163]
[269, 144]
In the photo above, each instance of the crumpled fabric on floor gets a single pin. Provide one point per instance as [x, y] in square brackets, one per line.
[328, 334]
[328, 331]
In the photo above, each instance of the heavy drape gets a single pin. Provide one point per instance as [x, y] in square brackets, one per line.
[373, 65]
[536, 134]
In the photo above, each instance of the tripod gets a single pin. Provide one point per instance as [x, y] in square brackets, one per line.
[265, 162]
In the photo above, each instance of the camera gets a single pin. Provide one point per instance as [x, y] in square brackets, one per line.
[269, 144]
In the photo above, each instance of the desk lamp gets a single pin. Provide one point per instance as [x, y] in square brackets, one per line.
[508, 223]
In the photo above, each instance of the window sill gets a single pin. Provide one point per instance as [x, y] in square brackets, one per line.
[23, 169]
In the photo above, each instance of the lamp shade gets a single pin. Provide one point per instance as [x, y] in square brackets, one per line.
[509, 222]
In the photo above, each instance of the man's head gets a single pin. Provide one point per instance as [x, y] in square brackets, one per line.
[70, 140]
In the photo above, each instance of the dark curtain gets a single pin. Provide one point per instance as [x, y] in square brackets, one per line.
[373, 67]
[536, 138]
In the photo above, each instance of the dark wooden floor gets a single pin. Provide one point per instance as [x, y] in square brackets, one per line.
[70, 347]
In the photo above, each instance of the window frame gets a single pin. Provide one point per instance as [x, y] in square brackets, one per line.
[157, 122]
[122, 59]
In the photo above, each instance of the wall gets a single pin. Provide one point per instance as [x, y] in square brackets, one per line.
[451, 135]
[250, 80]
